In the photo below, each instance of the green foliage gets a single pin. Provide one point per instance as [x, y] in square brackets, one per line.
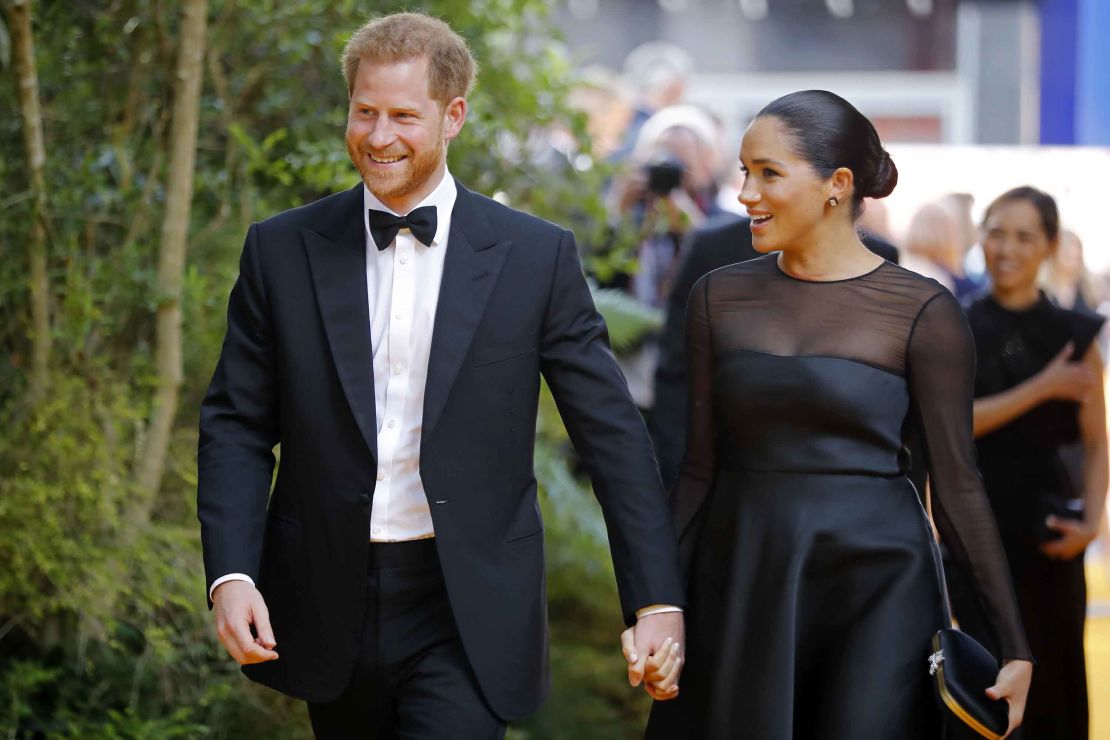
[104, 631]
[628, 319]
[63, 484]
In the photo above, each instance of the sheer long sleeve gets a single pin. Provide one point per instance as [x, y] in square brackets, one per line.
[695, 477]
[940, 371]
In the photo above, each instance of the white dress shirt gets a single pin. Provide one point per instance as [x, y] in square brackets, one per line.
[402, 284]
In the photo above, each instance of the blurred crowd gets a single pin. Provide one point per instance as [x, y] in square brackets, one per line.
[673, 194]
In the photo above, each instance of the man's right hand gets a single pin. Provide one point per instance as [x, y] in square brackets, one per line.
[238, 605]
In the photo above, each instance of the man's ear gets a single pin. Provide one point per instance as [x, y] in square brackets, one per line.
[454, 116]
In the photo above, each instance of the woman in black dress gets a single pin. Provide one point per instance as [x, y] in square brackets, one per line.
[813, 592]
[1038, 392]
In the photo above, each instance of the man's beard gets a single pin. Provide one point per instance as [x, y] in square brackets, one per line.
[414, 171]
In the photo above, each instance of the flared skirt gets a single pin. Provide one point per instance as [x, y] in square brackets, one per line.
[812, 601]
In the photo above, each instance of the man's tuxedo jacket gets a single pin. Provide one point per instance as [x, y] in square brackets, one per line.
[296, 369]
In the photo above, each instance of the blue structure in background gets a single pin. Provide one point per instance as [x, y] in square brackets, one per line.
[1093, 95]
[1075, 72]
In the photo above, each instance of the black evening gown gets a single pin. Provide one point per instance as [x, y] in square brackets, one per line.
[1028, 475]
[813, 590]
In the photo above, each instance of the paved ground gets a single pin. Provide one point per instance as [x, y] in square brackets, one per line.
[1098, 644]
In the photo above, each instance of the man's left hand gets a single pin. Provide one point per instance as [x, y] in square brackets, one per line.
[648, 638]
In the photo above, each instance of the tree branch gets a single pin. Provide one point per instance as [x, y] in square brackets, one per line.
[17, 14]
[188, 78]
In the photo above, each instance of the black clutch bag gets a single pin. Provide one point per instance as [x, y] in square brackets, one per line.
[962, 669]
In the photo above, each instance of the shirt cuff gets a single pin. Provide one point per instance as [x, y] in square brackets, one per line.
[229, 577]
[656, 609]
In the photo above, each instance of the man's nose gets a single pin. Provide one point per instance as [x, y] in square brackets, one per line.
[381, 134]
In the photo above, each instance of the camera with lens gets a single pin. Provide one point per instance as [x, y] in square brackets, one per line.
[664, 175]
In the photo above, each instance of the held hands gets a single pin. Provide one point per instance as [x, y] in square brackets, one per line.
[1065, 380]
[1012, 685]
[1075, 536]
[238, 605]
[653, 648]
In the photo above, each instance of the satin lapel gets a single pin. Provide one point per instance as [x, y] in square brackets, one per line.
[337, 259]
[473, 261]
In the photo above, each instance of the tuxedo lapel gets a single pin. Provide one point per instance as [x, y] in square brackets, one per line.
[337, 259]
[471, 266]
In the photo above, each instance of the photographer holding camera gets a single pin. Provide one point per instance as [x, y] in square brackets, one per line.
[670, 188]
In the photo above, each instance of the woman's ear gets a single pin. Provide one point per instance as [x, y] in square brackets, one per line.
[840, 185]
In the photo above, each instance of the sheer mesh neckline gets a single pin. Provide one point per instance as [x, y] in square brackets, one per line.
[868, 318]
[786, 274]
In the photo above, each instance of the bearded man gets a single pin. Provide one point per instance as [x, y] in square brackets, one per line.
[391, 338]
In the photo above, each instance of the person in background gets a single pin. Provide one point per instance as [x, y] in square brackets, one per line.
[958, 206]
[1065, 278]
[875, 220]
[934, 249]
[600, 95]
[669, 190]
[1038, 388]
[657, 72]
[1068, 284]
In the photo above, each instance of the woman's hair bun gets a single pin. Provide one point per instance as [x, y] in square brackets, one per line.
[886, 177]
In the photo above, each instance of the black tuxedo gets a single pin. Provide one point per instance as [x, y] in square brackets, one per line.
[721, 241]
[296, 368]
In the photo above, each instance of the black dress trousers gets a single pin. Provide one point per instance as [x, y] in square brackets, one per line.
[412, 678]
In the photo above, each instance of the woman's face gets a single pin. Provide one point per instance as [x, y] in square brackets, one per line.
[1015, 245]
[785, 198]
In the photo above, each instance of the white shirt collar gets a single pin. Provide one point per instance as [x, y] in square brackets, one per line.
[442, 197]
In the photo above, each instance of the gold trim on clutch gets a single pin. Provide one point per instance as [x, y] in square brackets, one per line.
[936, 667]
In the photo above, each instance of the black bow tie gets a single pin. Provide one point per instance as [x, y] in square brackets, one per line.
[420, 221]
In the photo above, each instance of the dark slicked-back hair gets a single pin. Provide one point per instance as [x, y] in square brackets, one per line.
[828, 132]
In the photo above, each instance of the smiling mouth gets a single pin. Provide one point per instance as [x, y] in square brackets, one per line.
[760, 220]
[385, 160]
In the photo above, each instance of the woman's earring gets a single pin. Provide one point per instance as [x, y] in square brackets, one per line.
[833, 201]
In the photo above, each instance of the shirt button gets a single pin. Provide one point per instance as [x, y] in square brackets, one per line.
[376, 530]
[404, 260]
[399, 315]
[381, 476]
[398, 369]
[391, 423]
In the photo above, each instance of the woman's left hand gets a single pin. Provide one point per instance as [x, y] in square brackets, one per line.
[1012, 685]
[1075, 536]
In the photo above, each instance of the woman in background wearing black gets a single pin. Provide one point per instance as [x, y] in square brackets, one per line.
[813, 590]
[1038, 388]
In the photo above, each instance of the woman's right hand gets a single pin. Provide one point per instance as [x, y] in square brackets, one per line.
[1012, 685]
[1065, 380]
